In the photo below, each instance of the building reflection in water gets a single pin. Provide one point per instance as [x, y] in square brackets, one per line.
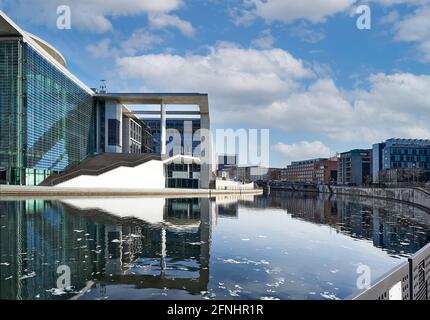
[160, 248]
[396, 227]
[100, 246]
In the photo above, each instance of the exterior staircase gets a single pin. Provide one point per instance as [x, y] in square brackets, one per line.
[99, 164]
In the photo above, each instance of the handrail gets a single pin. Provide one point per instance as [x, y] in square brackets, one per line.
[411, 279]
[105, 169]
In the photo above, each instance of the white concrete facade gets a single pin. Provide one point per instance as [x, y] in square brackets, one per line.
[150, 175]
[232, 185]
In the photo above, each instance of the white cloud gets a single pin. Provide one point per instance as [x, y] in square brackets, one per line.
[91, 15]
[101, 49]
[303, 150]
[161, 21]
[140, 40]
[310, 35]
[290, 10]
[265, 40]
[415, 28]
[272, 89]
[235, 76]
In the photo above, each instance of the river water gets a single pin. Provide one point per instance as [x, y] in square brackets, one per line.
[282, 246]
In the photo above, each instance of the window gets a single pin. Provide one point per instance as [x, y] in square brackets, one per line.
[113, 132]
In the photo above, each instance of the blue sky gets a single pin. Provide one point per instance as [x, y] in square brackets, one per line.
[302, 69]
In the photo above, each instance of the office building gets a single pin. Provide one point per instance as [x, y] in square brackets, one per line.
[321, 170]
[395, 158]
[354, 167]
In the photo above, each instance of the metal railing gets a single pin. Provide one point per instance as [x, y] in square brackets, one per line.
[409, 281]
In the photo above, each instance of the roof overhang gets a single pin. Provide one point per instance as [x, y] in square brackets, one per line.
[7, 27]
[200, 99]
[182, 159]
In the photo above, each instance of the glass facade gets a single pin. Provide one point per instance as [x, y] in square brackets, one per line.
[183, 176]
[10, 111]
[177, 124]
[44, 114]
[401, 158]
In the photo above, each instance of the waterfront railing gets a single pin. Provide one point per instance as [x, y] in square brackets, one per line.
[408, 281]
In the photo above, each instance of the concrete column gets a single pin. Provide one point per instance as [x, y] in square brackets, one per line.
[163, 129]
[206, 166]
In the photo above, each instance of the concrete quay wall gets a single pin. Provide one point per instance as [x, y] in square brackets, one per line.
[7, 190]
[416, 196]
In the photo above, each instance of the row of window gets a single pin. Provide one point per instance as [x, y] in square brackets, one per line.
[410, 151]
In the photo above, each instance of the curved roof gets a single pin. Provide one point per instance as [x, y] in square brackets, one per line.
[54, 53]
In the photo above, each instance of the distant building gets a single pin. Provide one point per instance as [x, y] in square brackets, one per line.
[354, 167]
[321, 170]
[275, 174]
[395, 158]
[252, 173]
[225, 160]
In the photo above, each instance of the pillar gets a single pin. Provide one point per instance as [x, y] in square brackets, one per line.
[206, 166]
[163, 129]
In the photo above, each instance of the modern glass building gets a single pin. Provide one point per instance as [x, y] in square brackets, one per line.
[400, 154]
[46, 115]
[51, 121]
[354, 168]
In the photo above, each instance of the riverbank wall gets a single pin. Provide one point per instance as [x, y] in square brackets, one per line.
[415, 196]
[7, 190]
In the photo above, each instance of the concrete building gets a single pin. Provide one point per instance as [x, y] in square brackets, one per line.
[252, 173]
[228, 161]
[321, 170]
[395, 157]
[354, 167]
[227, 166]
[52, 121]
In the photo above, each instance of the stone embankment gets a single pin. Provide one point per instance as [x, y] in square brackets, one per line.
[416, 196]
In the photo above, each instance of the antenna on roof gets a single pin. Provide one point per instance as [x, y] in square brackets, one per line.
[103, 88]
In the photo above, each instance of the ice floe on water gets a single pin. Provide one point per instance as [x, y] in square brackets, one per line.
[269, 298]
[234, 293]
[28, 275]
[196, 243]
[245, 261]
[272, 270]
[329, 296]
[278, 282]
[60, 292]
